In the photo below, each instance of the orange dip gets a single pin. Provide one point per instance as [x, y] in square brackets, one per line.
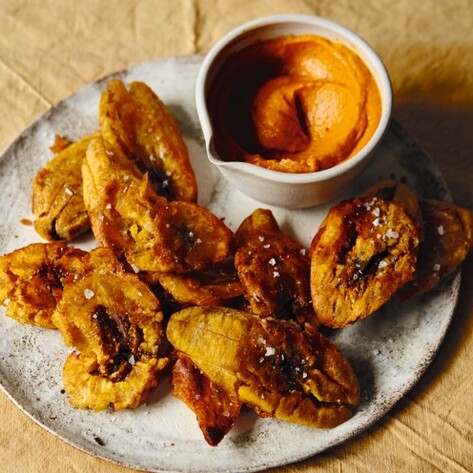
[293, 104]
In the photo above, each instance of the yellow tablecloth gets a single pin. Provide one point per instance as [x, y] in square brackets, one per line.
[51, 48]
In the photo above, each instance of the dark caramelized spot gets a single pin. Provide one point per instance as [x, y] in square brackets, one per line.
[121, 339]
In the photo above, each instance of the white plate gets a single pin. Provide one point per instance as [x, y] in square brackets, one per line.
[389, 350]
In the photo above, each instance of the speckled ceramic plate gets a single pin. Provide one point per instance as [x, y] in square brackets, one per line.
[389, 350]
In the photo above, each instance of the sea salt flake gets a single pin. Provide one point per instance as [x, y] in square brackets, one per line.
[392, 234]
[276, 274]
[272, 261]
[261, 238]
[436, 267]
[88, 294]
[441, 230]
[266, 246]
[68, 191]
[270, 351]
[382, 264]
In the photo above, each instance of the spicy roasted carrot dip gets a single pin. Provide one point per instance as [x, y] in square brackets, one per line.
[293, 104]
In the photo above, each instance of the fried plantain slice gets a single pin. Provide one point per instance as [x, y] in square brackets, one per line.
[57, 201]
[115, 321]
[88, 389]
[274, 269]
[137, 121]
[32, 280]
[218, 285]
[153, 234]
[364, 251]
[271, 364]
[216, 410]
[448, 238]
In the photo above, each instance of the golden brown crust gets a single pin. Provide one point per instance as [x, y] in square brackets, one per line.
[115, 321]
[364, 252]
[139, 123]
[216, 410]
[87, 389]
[57, 194]
[273, 269]
[218, 285]
[273, 366]
[153, 234]
[32, 280]
[448, 238]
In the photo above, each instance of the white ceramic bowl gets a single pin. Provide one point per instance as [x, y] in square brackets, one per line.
[290, 190]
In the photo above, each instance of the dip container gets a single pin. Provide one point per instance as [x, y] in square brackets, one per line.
[283, 189]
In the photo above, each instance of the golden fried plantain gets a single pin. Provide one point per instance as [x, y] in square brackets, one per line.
[216, 410]
[272, 365]
[448, 237]
[274, 269]
[32, 280]
[57, 193]
[139, 123]
[88, 389]
[218, 285]
[364, 251]
[153, 234]
[115, 321]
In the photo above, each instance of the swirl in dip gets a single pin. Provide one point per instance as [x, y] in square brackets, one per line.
[293, 104]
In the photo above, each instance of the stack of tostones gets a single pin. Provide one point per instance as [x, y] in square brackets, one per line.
[241, 312]
[152, 233]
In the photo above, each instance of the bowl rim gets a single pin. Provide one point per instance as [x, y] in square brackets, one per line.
[362, 47]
